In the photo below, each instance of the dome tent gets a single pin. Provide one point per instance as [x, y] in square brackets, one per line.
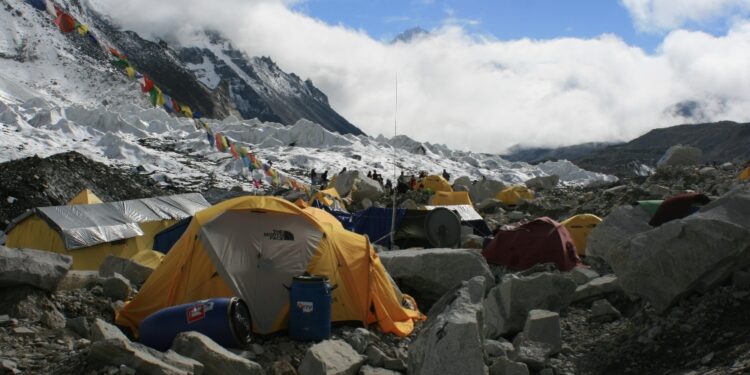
[542, 240]
[252, 247]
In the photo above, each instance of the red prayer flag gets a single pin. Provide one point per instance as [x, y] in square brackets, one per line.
[148, 84]
[175, 106]
[64, 21]
[117, 54]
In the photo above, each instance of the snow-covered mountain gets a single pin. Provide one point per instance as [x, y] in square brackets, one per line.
[58, 92]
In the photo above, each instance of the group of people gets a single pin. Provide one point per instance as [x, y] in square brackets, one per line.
[403, 183]
[320, 179]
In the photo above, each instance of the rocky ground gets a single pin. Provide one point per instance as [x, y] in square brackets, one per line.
[64, 329]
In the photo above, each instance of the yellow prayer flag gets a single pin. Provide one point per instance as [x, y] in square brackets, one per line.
[186, 111]
[82, 29]
[159, 98]
[130, 71]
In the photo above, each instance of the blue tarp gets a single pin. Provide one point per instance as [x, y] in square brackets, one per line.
[164, 240]
[376, 223]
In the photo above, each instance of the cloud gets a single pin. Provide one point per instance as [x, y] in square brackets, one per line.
[664, 15]
[476, 92]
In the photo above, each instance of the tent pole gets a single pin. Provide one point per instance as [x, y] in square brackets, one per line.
[395, 174]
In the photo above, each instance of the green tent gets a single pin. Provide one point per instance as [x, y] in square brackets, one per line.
[650, 206]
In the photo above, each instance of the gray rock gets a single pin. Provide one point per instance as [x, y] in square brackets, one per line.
[80, 326]
[119, 352]
[359, 185]
[451, 340]
[40, 269]
[31, 303]
[472, 241]
[282, 368]
[504, 366]
[691, 254]
[215, 359]
[331, 357]
[409, 205]
[544, 326]
[602, 311]
[366, 203]
[375, 356]
[619, 226]
[463, 181]
[543, 183]
[23, 331]
[369, 370]
[508, 304]
[497, 348]
[680, 155]
[101, 330]
[532, 353]
[360, 339]
[484, 189]
[597, 288]
[395, 364]
[429, 274]
[76, 279]
[516, 215]
[117, 287]
[53, 319]
[741, 279]
[136, 273]
[582, 274]
[659, 191]
[489, 205]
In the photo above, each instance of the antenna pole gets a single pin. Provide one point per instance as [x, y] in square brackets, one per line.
[395, 174]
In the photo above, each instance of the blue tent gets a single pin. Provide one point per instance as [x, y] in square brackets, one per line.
[164, 240]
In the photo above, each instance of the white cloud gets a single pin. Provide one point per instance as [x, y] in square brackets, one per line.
[662, 15]
[474, 92]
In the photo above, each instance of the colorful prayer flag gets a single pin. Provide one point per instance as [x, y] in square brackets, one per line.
[148, 84]
[82, 28]
[64, 21]
[130, 71]
[187, 111]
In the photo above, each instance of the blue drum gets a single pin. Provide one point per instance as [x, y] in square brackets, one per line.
[225, 320]
[310, 308]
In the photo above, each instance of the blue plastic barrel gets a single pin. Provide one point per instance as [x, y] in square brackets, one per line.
[310, 308]
[225, 320]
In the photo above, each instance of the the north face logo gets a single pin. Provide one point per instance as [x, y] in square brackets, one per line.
[279, 235]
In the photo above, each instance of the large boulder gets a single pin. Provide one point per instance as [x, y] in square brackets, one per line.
[691, 254]
[428, 274]
[215, 359]
[451, 341]
[40, 269]
[680, 155]
[508, 304]
[484, 189]
[331, 357]
[464, 182]
[619, 226]
[136, 273]
[117, 352]
[543, 182]
[359, 185]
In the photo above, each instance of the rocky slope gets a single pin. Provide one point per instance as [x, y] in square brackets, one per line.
[720, 142]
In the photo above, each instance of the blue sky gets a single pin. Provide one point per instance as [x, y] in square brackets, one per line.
[503, 19]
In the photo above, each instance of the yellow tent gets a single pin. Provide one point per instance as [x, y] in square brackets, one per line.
[745, 175]
[86, 196]
[435, 183]
[329, 197]
[515, 194]
[91, 232]
[444, 198]
[579, 227]
[252, 247]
